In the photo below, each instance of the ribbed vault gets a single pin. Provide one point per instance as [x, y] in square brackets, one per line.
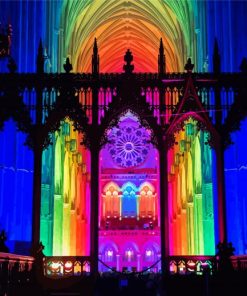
[122, 24]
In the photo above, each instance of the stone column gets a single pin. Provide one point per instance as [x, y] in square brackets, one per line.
[118, 262]
[37, 154]
[139, 265]
[221, 192]
[164, 226]
[36, 194]
[94, 239]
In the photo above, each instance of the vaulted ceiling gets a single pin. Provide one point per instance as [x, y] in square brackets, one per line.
[137, 25]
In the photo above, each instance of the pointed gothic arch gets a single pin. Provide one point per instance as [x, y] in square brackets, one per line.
[111, 201]
[148, 206]
[188, 135]
[129, 200]
[60, 111]
[140, 109]
[63, 197]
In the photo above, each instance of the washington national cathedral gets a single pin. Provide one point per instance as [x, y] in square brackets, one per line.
[123, 127]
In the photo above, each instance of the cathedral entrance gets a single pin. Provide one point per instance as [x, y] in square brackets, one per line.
[129, 219]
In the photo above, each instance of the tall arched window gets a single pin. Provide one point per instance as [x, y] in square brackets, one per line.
[111, 201]
[129, 201]
[150, 254]
[109, 254]
[147, 203]
[129, 255]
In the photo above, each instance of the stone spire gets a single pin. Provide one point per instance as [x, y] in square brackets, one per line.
[161, 59]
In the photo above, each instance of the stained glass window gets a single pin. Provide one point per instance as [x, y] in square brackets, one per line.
[129, 145]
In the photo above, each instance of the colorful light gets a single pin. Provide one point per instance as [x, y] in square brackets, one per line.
[128, 216]
[191, 201]
[65, 203]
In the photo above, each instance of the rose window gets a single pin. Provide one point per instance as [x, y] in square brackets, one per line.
[129, 146]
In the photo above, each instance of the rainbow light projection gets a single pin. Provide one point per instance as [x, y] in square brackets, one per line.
[68, 28]
[65, 204]
[190, 193]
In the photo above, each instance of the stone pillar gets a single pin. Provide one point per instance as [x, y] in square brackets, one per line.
[139, 263]
[100, 264]
[164, 226]
[36, 194]
[94, 149]
[37, 154]
[118, 262]
[94, 239]
[221, 192]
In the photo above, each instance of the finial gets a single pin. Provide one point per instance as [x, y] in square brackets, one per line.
[95, 58]
[161, 59]
[189, 66]
[40, 59]
[128, 58]
[95, 46]
[161, 44]
[67, 66]
[40, 49]
[3, 238]
[37, 250]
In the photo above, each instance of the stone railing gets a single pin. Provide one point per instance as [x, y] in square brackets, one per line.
[239, 263]
[66, 266]
[191, 264]
[13, 262]
[15, 270]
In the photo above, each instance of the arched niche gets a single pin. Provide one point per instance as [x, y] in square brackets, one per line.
[65, 194]
[111, 200]
[191, 192]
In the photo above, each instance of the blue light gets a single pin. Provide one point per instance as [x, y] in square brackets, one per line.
[16, 179]
[236, 194]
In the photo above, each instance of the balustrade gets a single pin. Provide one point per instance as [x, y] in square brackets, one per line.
[15, 270]
[66, 266]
